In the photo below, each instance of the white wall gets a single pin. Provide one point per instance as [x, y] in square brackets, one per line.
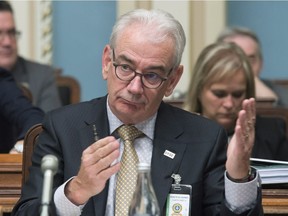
[33, 19]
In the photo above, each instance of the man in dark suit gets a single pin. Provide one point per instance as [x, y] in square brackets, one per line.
[142, 65]
[15, 110]
[39, 78]
[270, 139]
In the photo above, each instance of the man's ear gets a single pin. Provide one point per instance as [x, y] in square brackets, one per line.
[173, 80]
[106, 61]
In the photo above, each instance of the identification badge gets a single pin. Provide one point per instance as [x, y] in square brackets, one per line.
[179, 198]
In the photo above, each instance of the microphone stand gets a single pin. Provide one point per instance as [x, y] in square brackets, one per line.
[49, 166]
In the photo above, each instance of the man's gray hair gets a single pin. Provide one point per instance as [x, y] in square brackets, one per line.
[161, 25]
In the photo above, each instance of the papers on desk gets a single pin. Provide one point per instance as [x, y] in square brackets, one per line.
[271, 171]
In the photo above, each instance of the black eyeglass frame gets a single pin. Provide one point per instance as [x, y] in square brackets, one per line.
[162, 79]
[11, 33]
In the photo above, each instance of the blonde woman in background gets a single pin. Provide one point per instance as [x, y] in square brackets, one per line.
[221, 80]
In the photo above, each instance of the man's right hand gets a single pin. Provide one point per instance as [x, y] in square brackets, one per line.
[94, 171]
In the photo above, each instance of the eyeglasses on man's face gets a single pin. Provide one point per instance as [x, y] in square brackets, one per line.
[11, 33]
[150, 80]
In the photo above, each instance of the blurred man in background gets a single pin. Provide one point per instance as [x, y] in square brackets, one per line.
[17, 114]
[38, 78]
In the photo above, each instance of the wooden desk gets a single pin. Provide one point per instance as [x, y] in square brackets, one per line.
[10, 180]
[275, 201]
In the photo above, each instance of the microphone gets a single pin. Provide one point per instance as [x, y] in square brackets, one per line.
[49, 166]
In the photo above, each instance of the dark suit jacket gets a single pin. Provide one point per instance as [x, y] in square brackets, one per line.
[40, 79]
[280, 91]
[199, 145]
[17, 114]
[270, 139]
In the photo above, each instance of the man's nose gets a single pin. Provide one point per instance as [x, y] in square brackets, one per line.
[135, 86]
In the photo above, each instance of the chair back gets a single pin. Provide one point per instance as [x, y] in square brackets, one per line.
[69, 88]
[281, 82]
[266, 102]
[29, 144]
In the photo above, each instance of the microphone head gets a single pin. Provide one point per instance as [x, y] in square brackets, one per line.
[49, 162]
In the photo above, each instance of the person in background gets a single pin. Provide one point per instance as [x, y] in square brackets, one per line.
[39, 78]
[221, 80]
[16, 110]
[250, 43]
[86, 137]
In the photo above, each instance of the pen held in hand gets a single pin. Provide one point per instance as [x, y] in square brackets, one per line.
[96, 138]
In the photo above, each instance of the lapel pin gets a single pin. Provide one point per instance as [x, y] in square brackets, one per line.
[169, 154]
[177, 178]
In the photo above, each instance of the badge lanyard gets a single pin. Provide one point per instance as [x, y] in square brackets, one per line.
[179, 198]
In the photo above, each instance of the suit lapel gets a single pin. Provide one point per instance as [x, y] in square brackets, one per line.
[97, 125]
[167, 130]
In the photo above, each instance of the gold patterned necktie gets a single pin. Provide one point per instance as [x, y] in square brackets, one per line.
[127, 176]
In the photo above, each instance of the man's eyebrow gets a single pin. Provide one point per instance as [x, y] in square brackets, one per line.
[125, 58]
[160, 68]
[132, 62]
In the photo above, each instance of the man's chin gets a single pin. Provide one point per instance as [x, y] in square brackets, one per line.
[8, 65]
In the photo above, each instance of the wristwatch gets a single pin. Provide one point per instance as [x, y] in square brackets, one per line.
[251, 175]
